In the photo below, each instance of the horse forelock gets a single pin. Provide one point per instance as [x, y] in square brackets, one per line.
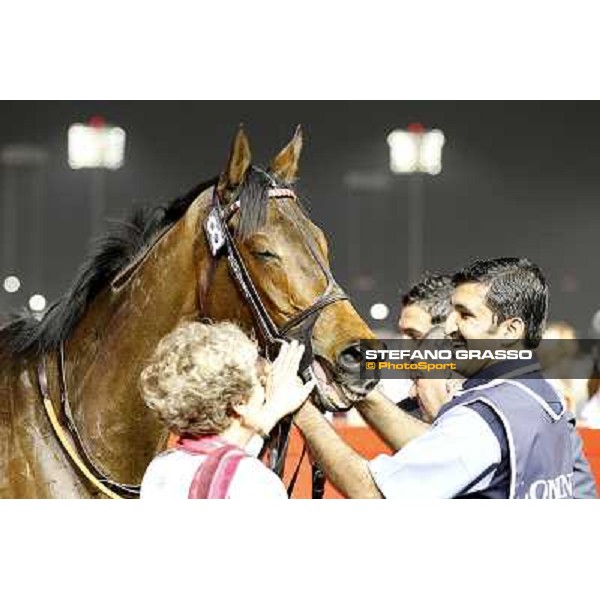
[253, 195]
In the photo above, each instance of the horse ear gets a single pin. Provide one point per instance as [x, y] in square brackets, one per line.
[285, 165]
[239, 160]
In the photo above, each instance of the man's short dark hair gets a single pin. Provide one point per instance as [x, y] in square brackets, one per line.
[433, 294]
[517, 289]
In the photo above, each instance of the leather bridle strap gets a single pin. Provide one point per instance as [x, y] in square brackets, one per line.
[73, 446]
[333, 292]
[268, 329]
[266, 326]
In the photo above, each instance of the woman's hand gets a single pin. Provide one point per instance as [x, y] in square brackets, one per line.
[284, 391]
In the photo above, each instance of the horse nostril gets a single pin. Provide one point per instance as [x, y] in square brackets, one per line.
[370, 384]
[349, 358]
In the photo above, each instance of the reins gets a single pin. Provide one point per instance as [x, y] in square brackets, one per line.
[74, 446]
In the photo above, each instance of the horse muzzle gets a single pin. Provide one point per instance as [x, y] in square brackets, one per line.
[340, 384]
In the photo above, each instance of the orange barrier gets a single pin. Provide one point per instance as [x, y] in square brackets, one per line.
[366, 442]
[362, 439]
[591, 449]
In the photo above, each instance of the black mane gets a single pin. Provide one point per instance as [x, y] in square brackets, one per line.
[26, 336]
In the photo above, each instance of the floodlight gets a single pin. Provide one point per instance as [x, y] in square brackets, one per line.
[37, 303]
[96, 146]
[379, 311]
[12, 284]
[416, 150]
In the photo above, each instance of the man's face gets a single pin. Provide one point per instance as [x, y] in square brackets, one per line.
[470, 320]
[414, 322]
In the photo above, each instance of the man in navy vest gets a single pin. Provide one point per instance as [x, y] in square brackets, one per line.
[433, 295]
[506, 301]
[505, 436]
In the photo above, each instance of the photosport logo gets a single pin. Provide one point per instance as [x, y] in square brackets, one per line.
[441, 358]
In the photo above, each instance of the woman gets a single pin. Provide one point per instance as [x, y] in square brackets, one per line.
[209, 385]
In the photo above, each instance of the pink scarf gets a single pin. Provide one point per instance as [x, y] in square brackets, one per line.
[214, 475]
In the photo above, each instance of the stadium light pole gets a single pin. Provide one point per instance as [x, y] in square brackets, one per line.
[415, 151]
[23, 169]
[100, 147]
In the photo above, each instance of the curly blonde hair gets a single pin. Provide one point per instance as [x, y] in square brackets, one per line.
[197, 374]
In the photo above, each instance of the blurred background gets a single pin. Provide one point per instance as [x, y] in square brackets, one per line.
[515, 178]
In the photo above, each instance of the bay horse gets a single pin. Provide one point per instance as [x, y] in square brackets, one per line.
[72, 422]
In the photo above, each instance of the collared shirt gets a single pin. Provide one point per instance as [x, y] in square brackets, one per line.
[442, 462]
[505, 368]
[170, 474]
[465, 450]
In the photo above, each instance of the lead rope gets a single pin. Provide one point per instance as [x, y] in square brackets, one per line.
[292, 483]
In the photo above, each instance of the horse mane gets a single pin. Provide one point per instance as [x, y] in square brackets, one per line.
[25, 335]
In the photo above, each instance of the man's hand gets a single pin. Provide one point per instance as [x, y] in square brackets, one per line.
[433, 393]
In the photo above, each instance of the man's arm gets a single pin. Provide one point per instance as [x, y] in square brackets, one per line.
[395, 426]
[347, 470]
[440, 463]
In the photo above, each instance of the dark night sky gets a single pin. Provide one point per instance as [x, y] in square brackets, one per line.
[519, 178]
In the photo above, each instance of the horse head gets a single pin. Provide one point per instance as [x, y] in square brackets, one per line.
[285, 257]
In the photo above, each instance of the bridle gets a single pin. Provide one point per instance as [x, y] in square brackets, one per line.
[299, 327]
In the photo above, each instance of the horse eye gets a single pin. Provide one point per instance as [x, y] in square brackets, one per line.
[265, 254]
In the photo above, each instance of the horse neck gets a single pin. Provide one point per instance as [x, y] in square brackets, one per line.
[120, 330]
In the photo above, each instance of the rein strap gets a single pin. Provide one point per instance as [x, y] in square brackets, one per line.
[63, 438]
